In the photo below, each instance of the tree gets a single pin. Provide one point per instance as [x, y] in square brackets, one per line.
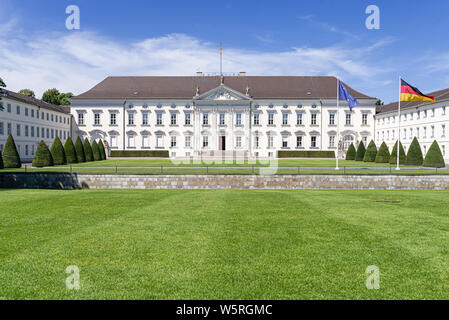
[379, 103]
[64, 98]
[414, 154]
[383, 156]
[11, 158]
[434, 157]
[79, 149]
[1, 160]
[88, 151]
[2, 83]
[371, 152]
[70, 152]
[57, 152]
[96, 151]
[360, 152]
[42, 157]
[394, 154]
[102, 150]
[28, 92]
[53, 96]
[351, 152]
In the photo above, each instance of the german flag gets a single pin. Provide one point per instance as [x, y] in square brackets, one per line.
[409, 93]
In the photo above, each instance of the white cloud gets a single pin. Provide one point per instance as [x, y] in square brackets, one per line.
[76, 61]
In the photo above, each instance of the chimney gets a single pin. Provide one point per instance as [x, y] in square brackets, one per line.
[242, 74]
[199, 74]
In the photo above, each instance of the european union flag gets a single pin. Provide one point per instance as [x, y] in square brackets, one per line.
[344, 95]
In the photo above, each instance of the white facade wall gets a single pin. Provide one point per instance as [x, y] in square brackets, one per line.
[29, 124]
[428, 122]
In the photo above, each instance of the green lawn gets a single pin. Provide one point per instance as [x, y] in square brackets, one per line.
[229, 244]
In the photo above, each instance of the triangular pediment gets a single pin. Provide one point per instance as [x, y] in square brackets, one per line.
[222, 93]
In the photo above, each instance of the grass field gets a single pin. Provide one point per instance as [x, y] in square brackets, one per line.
[224, 244]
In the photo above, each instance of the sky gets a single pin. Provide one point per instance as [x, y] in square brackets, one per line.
[145, 37]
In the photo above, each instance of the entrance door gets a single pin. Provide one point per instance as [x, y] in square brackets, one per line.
[222, 142]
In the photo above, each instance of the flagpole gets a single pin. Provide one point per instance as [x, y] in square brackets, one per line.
[338, 121]
[399, 126]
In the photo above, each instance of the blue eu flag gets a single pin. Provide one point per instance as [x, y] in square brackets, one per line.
[344, 95]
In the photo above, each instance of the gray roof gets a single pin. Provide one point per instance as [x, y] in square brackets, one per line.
[260, 87]
[33, 101]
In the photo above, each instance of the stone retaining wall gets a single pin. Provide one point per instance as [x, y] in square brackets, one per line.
[221, 181]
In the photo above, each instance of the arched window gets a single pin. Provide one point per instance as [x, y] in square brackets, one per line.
[347, 140]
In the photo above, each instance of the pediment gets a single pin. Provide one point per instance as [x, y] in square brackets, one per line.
[222, 93]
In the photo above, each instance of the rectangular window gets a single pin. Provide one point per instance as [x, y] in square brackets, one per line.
[130, 119]
[313, 122]
[18, 130]
[284, 142]
[188, 141]
[174, 119]
[257, 142]
[299, 119]
[173, 142]
[159, 119]
[80, 118]
[145, 141]
[238, 119]
[131, 141]
[188, 119]
[26, 149]
[205, 141]
[238, 142]
[313, 142]
[271, 119]
[222, 119]
[433, 131]
[52, 118]
[145, 118]
[285, 119]
[26, 131]
[331, 141]
[298, 141]
[348, 119]
[113, 141]
[9, 129]
[205, 119]
[52, 133]
[332, 119]
[443, 130]
[26, 112]
[2, 132]
[256, 119]
[9, 108]
[18, 109]
[270, 142]
[364, 119]
[32, 113]
[97, 119]
[113, 118]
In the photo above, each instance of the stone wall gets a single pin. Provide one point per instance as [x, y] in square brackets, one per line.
[221, 181]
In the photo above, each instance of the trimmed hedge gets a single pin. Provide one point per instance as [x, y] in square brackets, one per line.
[371, 152]
[42, 157]
[70, 152]
[306, 154]
[394, 154]
[383, 155]
[102, 150]
[96, 151]
[88, 151]
[79, 149]
[11, 158]
[351, 153]
[57, 152]
[1, 160]
[434, 157]
[414, 154]
[360, 152]
[140, 154]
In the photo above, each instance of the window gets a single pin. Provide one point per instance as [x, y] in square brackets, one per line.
[26, 149]
[443, 150]
[18, 109]
[130, 119]
[18, 130]
[365, 119]
[52, 118]
[173, 119]
[26, 131]
[32, 114]
[205, 119]
[433, 131]
[222, 119]
[331, 141]
[411, 133]
[187, 119]
[417, 133]
[131, 141]
[238, 119]
[299, 119]
[9, 108]
[37, 114]
[159, 119]
[425, 113]
[256, 142]
[298, 141]
[443, 130]
[313, 123]
[332, 119]
[1, 129]
[405, 133]
[52, 133]
[433, 112]
[444, 111]
[256, 119]
[9, 129]
[270, 142]
[188, 141]
[271, 119]
[205, 141]
[238, 142]
[97, 119]
[425, 150]
[145, 118]
[313, 142]
[284, 142]
[173, 142]
[348, 119]
[80, 118]
[425, 132]
[113, 119]
[26, 112]
[113, 141]
[145, 141]
[285, 119]
[418, 114]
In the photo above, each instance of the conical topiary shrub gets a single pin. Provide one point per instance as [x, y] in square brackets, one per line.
[11, 158]
[88, 151]
[57, 152]
[371, 152]
[351, 153]
[414, 154]
[70, 152]
[42, 157]
[96, 151]
[434, 157]
[360, 152]
[79, 149]
[383, 155]
[1, 160]
[394, 154]
[102, 150]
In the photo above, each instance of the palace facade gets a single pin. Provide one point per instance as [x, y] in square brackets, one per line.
[192, 116]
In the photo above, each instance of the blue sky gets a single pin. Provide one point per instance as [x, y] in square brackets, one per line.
[141, 37]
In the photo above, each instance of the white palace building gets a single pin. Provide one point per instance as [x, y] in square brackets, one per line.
[192, 116]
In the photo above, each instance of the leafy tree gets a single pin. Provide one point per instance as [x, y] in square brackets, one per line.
[2, 83]
[434, 157]
[414, 154]
[57, 152]
[383, 155]
[70, 152]
[96, 151]
[64, 98]
[28, 92]
[371, 152]
[88, 151]
[379, 103]
[11, 158]
[351, 152]
[102, 150]
[53, 96]
[360, 152]
[79, 149]
[1, 160]
[42, 157]
[394, 154]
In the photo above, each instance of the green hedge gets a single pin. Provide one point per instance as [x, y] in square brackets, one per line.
[96, 151]
[42, 157]
[58, 153]
[394, 154]
[371, 152]
[383, 155]
[351, 153]
[79, 149]
[102, 150]
[360, 152]
[414, 154]
[70, 152]
[1, 160]
[434, 157]
[140, 154]
[306, 154]
[11, 158]
[88, 151]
